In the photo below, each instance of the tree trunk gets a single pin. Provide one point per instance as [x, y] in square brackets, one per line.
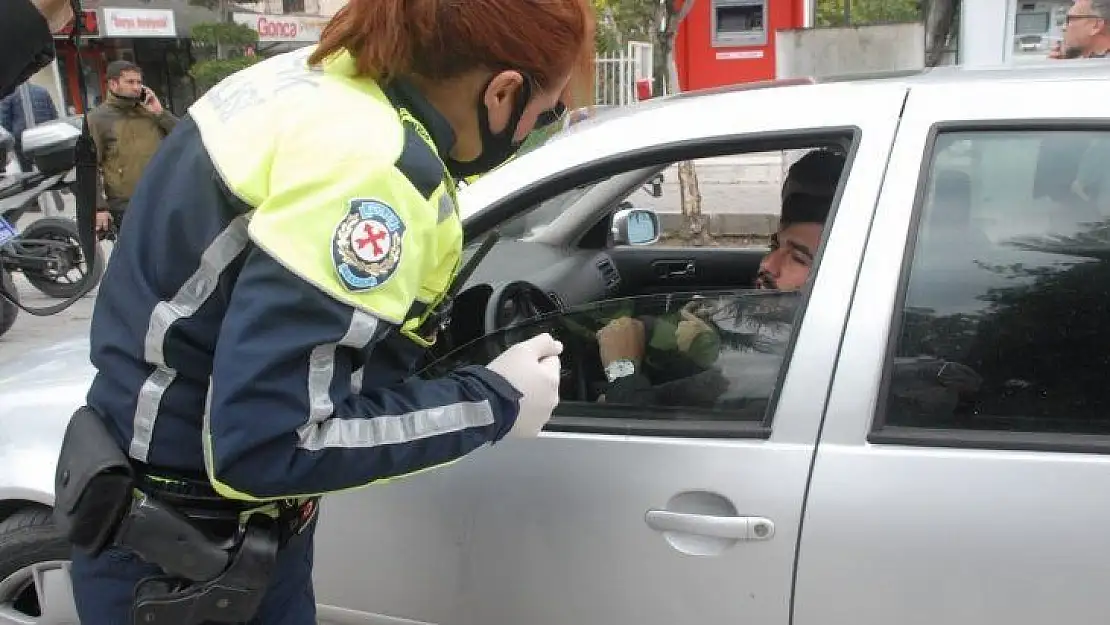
[939, 20]
[225, 17]
[695, 225]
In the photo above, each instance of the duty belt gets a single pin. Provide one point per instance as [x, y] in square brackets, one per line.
[217, 554]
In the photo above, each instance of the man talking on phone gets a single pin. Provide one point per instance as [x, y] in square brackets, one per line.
[127, 127]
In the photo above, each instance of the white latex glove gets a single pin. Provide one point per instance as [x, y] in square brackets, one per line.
[532, 367]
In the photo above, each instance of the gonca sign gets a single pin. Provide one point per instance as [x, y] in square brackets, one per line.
[272, 28]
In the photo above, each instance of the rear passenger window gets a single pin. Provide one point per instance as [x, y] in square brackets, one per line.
[1005, 321]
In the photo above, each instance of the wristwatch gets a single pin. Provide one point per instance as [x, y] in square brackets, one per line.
[619, 369]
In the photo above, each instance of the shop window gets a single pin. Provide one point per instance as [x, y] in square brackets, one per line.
[292, 6]
[739, 22]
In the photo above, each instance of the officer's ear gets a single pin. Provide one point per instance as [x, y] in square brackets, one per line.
[500, 98]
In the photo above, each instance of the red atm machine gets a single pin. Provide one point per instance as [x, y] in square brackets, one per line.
[724, 42]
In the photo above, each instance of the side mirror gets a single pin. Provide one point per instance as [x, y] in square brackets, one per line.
[635, 226]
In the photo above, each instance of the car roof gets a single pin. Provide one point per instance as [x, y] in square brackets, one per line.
[1034, 71]
[710, 103]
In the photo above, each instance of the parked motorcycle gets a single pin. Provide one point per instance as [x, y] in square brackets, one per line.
[48, 251]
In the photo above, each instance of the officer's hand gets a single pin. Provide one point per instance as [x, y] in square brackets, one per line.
[532, 367]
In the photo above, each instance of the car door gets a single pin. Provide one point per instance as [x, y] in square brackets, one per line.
[617, 515]
[963, 465]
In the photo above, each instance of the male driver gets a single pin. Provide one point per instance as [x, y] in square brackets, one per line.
[1086, 31]
[807, 195]
[127, 128]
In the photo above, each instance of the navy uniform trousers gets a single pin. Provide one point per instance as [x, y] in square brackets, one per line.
[104, 587]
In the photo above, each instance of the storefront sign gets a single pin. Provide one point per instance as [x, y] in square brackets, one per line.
[282, 27]
[138, 23]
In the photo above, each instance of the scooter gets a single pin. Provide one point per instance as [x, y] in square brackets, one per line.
[48, 250]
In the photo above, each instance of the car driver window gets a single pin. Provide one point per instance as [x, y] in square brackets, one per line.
[1003, 326]
[709, 350]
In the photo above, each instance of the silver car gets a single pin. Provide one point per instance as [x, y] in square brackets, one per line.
[895, 444]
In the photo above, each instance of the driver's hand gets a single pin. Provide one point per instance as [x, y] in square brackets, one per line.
[532, 368]
[622, 339]
[689, 329]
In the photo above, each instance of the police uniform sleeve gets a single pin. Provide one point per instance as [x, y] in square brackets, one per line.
[306, 310]
[25, 44]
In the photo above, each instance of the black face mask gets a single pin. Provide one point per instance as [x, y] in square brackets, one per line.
[500, 147]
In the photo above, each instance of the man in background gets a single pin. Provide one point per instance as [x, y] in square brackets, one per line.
[127, 128]
[26, 107]
[1086, 31]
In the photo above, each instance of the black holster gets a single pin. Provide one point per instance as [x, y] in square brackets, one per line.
[101, 503]
[93, 483]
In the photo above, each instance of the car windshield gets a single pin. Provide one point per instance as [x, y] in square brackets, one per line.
[531, 222]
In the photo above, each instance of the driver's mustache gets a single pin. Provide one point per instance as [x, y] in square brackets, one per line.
[765, 280]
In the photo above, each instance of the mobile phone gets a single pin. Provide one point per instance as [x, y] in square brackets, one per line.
[144, 95]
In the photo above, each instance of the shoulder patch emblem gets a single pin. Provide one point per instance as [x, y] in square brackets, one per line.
[366, 247]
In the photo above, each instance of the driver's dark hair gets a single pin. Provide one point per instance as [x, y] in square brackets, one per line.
[814, 177]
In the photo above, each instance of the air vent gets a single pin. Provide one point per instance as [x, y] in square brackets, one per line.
[609, 274]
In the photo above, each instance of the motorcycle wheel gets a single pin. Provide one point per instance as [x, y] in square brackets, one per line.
[8, 310]
[63, 231]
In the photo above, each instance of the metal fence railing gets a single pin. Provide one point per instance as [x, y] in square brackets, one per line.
[617, 73]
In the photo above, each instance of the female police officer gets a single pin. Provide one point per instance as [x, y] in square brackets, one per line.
[296, 227]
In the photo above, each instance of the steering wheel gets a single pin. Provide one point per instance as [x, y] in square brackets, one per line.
[515, 303]
[518, 303]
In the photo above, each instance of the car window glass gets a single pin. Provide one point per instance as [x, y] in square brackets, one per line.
[713, 356]
[738, 198]
[712, 340]
[1003, 325]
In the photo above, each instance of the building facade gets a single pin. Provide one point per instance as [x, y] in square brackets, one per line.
[997, 32]
[155, 35]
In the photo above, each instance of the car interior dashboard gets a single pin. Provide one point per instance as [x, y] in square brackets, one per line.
[558, 278]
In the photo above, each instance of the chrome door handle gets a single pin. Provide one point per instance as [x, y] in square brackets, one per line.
[733, 527]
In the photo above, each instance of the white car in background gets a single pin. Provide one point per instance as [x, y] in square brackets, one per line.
[929, 447]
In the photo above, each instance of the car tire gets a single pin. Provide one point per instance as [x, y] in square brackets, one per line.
[28, 538]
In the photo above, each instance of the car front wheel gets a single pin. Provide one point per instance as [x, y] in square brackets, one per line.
[34, 571]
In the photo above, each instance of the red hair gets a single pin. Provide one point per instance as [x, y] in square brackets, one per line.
[441, 39]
